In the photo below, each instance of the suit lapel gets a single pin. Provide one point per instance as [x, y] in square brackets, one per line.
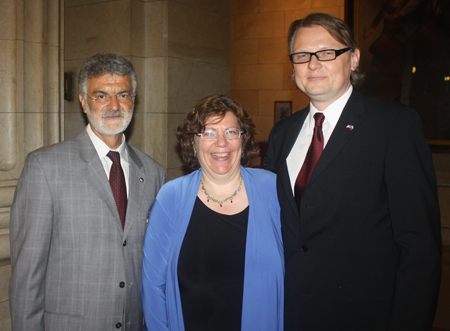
[352, 115]
[291, 137]
[291, 223]
[95, 175]
[137, 181]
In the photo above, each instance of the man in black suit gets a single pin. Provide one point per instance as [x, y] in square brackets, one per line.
[360, 215]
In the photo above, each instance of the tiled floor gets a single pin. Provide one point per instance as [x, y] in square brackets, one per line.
[442, 319]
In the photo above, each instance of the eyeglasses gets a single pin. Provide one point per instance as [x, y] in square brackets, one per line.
[229, 134]
[325, 55]
[102, 98]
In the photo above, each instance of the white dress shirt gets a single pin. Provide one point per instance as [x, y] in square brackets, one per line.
[102, 151]
[298, 152]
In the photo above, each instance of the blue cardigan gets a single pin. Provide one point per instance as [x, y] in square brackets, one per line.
[262, 307]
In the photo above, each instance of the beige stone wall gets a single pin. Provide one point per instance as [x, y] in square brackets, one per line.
[260, 66]
[181, 53]
[30, 85]
[197, 48]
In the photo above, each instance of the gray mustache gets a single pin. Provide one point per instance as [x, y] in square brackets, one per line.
[110, 113]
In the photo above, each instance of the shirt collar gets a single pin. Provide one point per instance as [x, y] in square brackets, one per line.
[333, 111]
[103, 149]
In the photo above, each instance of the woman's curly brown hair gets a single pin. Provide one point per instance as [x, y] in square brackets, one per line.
[215, 105]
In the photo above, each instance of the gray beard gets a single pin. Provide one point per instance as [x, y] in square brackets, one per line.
[99, 125]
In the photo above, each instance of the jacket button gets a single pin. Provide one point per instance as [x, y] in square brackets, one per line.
[122, 284]
[118, 325]
[305, 248]
[124, 243]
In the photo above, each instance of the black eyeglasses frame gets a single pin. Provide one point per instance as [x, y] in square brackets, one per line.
[337, 53]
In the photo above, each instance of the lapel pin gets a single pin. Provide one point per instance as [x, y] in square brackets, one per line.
[141, 180]
[350, 127]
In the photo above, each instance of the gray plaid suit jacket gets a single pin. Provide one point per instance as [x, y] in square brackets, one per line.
[73, 266]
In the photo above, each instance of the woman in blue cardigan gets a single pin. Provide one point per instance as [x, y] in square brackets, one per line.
[213, 253]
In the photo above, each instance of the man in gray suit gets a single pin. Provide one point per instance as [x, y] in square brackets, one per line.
[79, 216]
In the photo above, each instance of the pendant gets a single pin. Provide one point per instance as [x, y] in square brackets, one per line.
[220, 202]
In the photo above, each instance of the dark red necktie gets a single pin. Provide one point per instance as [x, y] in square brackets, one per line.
[118, 186]
[312, 157]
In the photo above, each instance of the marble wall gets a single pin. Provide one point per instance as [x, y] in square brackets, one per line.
[181, 53]
[260, 66]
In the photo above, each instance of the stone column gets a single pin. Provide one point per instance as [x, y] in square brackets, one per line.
[30, 85]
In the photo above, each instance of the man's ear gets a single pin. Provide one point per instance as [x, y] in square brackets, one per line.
[355, 59]
[83, 102]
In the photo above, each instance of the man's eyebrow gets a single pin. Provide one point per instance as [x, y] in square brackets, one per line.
[100, 91]
[104, 92]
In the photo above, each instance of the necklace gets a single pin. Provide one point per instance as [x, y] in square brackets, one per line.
[220, 202]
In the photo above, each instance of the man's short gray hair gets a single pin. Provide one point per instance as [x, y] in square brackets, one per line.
[101, 64]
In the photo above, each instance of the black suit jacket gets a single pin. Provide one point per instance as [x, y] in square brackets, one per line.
[364, 253]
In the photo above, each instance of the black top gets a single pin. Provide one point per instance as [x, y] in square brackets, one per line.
[211, 269]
